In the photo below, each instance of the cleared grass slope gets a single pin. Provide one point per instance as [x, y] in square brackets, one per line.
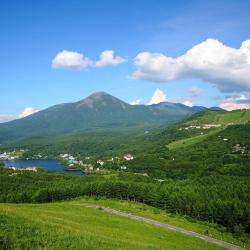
[219, 117]
[66, 226]
[192, 140]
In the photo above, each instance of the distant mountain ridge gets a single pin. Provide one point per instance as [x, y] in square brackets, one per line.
[99, 110]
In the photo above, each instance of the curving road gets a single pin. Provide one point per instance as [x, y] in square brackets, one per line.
[223, 244]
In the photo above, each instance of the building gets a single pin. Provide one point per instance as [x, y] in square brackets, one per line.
[100, 162]
[128, 157]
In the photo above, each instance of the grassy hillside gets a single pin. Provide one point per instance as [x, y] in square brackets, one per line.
[165, 217]
[219, 117]
[215, 199]
[67, 226]
[192, 140]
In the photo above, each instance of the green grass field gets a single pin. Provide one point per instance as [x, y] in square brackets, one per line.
[192, 140]
[65, 225]
[68, 226]
[211, 117]
[172, 219]
[221, 117]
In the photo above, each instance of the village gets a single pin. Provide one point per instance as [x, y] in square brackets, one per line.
[86, 164]
[207, 126]
[89, 165]
[12, 155]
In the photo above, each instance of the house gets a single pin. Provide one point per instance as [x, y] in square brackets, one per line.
[238, 148]
[207, 126]
[64, 156]
[128, 157]
[72, 161]
[30, 169]
[100, 162]
[4, 156]
[194, 127]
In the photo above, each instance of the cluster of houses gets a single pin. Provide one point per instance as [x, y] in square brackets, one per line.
[72, 160]
[207, 126]
[127, 157]
[39, 156]
[8, 156]
[238, 148]
[34, 169]
[204, 126]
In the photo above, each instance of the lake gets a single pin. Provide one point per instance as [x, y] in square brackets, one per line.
[49, 165]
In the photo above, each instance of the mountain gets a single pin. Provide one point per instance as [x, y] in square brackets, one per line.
[99, 110]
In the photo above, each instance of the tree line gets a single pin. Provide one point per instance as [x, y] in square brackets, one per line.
[220, 199]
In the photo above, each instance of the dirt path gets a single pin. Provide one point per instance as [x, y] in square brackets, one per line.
[164, 225]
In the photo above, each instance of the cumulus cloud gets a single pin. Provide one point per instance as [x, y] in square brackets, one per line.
[136, 102]
[108, 58]
[28, 111]
[158, 97]
[70, 60]
[235, 102]
[225, 67]
[188, 103]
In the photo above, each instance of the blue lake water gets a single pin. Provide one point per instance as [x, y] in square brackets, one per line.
[49, 165]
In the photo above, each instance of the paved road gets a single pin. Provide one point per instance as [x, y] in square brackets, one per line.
[164, 225]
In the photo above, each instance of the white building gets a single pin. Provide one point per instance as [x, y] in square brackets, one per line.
[100, 162]
[128, 157]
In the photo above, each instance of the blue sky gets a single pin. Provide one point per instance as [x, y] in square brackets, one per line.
[33, 33]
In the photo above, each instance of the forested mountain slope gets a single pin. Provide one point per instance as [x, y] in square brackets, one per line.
[100, 110]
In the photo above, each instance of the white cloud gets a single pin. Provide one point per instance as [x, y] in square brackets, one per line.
[158, 97]
[233, 106]
[225, 67]
[7, 118]
[195, 91]
[27, 111]
[108, 58]
[188, 103]
[235, 102]
[136, 102]
[70, 60]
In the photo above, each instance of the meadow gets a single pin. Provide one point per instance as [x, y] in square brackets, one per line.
[65, 225]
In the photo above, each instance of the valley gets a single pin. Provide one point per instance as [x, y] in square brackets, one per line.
[194, 169]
